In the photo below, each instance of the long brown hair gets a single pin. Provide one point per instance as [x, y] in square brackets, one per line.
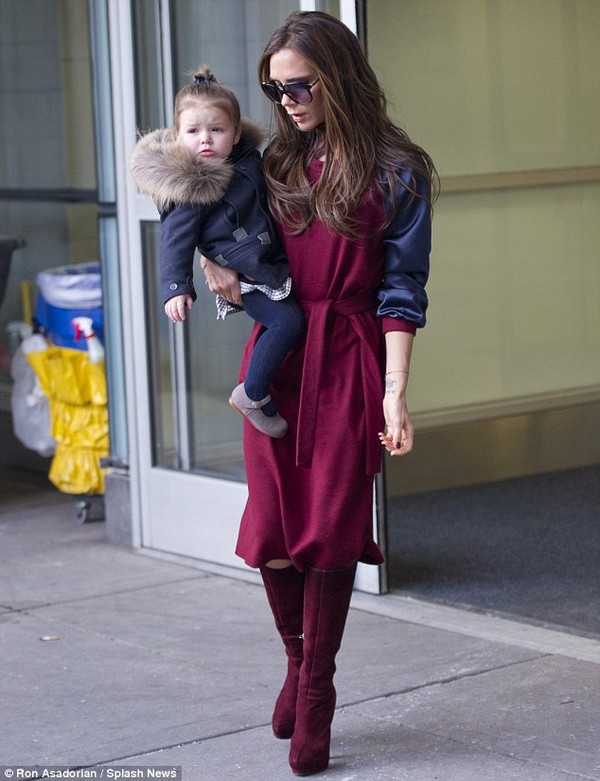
[362, 144]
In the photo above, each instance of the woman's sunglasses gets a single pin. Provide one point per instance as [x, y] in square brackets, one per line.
[298, 91]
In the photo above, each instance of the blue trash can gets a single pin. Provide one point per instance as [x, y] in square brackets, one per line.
[67, 292]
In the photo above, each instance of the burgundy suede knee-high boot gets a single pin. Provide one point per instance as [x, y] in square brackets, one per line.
[285, 592]
[326, 602]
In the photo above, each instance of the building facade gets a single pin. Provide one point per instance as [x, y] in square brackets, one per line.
[505, 97]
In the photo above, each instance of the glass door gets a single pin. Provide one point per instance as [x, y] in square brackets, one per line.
[192, 480]
[189, 472]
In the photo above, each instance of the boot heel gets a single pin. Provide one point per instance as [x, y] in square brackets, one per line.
[309, 753]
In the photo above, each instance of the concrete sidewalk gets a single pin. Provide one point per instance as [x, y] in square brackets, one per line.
[152, 663]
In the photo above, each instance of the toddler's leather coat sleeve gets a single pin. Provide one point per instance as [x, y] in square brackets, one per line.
[407, 242]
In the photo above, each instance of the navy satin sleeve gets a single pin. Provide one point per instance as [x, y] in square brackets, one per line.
[179, 236]
[407, 242]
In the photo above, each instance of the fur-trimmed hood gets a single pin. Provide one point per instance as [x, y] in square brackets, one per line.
[166, 171]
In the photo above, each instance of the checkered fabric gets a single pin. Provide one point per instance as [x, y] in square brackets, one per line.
[225, 308]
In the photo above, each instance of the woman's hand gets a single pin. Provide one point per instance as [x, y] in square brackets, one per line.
[176, 306]
[222, 281]
[398, 439]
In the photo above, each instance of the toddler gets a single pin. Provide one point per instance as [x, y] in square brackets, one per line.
[205, 176]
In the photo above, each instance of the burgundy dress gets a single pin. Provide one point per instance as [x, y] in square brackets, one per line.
[311, 492]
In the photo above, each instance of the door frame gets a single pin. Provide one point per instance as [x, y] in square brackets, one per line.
[156, 490]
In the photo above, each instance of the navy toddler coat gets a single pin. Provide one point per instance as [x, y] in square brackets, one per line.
[216, 206]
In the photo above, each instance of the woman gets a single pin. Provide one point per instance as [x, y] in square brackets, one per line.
[352, 197]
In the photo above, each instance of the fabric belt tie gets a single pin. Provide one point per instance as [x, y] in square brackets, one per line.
[317, 346]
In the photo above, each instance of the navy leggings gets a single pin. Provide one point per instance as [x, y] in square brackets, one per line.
[284, 323]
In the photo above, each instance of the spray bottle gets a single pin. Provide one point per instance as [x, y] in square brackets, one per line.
[84, 326]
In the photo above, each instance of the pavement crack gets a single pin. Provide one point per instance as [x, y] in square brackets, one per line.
[445, 680]
[180, 744]
[28, 609]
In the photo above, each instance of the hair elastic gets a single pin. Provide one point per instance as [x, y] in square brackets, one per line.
[200, 80]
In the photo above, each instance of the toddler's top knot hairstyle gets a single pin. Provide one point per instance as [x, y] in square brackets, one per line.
[203, 77]
[206, 89]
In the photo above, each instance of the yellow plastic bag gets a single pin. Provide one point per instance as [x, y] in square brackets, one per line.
[76, 470]
[76, 389]
[67, 375]
[80, 426]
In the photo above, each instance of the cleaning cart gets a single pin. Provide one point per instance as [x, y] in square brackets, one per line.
[72, 375]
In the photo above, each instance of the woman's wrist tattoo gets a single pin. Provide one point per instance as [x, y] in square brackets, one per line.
[390, 385]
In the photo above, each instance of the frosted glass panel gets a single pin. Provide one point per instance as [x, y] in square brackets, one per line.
[194, 366]
[46, 146]
[493, 85]
[207, 436]
[229, 36]
[46, 130]
[515, 298]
